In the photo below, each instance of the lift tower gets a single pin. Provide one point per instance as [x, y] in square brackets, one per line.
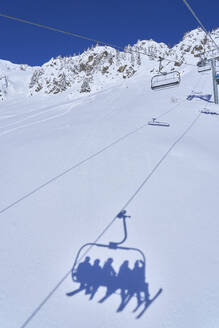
[214, 79]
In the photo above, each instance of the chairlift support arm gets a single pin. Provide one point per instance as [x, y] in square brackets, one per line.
[122, 215]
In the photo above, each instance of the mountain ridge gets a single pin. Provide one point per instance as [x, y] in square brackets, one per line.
[99, 65]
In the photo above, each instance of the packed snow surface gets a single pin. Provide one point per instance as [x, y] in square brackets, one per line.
[174, 217]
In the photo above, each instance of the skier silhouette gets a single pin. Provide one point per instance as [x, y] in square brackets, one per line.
[108, 272]
[83, 273]
[123, 278]
[108, 279]
[95, 277]
[140, 285]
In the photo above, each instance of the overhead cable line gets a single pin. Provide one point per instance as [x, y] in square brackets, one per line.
[54, 29]
[46, 299]
[200, 23]
[77, 35]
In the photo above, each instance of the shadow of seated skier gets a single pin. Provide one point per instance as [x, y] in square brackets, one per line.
[143, 299]
[141, 286]
[123, 281]
[136, 286]
[82, 275]
[95, 278]
[108, 279]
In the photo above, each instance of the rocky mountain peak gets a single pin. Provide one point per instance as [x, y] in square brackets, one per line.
[100, 65]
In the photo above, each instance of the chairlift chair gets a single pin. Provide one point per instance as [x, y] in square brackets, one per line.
[204, 68]
[204, 64]
[164, 79]
[158, 123]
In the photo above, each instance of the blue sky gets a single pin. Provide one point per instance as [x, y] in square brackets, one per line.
[116, 21]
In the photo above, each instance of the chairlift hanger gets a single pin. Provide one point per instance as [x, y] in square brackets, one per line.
[160, 66]
[112, 245]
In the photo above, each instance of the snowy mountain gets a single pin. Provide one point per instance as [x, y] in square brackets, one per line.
[100, 66]
[71, 162]
[14, 80]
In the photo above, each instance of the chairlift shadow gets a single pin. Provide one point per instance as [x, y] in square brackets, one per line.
[128, 282]
[206, 97]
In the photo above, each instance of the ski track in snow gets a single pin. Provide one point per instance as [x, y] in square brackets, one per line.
[65, 112]
[76, 165]
[42, 120]
[37, 114]
[29, 116]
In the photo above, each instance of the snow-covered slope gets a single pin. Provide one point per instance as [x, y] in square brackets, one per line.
[99, 67]
[105, 140]
[14, 80]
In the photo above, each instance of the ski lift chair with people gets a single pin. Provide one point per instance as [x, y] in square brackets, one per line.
[111, 246]
[107, 277]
